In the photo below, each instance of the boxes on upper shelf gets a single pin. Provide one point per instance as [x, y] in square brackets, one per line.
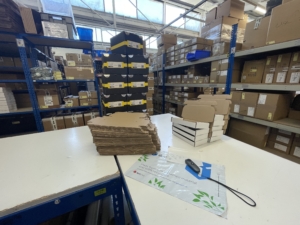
[136, 101]
[253, 71]
[114, 83]
[74, 59]
[54, 123]
[127, 44]
[282, 67]
[81, 73]
[48, 98]
[71, 101]
[137, 64]
[114, 103]
[137, 83]
[231, 8]
[170, 39]
[280, 15]
[114, 64]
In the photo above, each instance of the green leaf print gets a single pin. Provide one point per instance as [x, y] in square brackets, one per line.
[196, 200]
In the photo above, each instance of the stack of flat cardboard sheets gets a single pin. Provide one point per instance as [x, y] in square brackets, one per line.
[124, 133]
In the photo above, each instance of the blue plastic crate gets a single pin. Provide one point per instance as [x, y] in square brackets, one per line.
[197, 54]
[85, 34]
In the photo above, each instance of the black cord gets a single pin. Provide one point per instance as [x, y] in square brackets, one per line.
[234, 192]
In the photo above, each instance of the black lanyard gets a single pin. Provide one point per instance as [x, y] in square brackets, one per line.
[196, 169]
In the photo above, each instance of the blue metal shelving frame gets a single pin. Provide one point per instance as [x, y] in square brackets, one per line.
[31, 41]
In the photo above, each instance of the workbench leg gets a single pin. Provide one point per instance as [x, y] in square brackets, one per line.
[119, 205]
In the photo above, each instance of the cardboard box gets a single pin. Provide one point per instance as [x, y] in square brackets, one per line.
[247, 132]
[211, 15]
[214, 76]
[170, 39]
[88, 101]
[295, 149]
[249, 98]
[48, 98]
[278, 146]
[87, 94]
[284, 22]
[74, 120]
[293, 114]
[90, 115]
[272, 106]
[222, 77]
[54, 123]
[270, 69]
[74, 59]
[282, 67]
[223, 102]
[256, 33]
[81, 73]
[293, 76]
[253, 71]
[71, 101]
[127, 44]
[223, 48]
[215, 65]
[231, 8]
[200, 79]
[7, 61]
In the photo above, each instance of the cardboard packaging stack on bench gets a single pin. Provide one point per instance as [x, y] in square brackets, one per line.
[124, 133]
[203, 120]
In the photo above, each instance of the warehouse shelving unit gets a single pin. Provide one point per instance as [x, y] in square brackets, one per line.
[27, 46]
[246, 54]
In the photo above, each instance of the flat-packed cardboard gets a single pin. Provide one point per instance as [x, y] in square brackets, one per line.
[163, 49]
[253, 71]
[81, 73]
[211, 15]
[90, 115]
[295, 149]
[31, 20]
[74, 59]
[127, 43]
[190, 124]
[236, 76]
[284, 23]
[53, 123]
[88, 101]
[223, 102]
[7, 61]
[250, 133]
[231, 8]
[293, 114]
[256, 33]
[293, 76]
[198, 113]
[74, 120]
[282, 67]
[270, 68]
[48, 98]
[71, 101]
[166, 39]
[272, 106]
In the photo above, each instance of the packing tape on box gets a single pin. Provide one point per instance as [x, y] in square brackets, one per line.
[115, 85]
[114, 65]
[137, 84]
[136, 65]
[74, 119]
[53, 123]
[130, 44]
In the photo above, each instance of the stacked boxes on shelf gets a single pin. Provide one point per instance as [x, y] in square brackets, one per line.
[219, 23]
[7, 100]
[48, 97]
[208, 124]
[165, 44]
[88, 98]
[79, 67]
[219, 70]
[150, 93]
[280, 140]
[125, 75]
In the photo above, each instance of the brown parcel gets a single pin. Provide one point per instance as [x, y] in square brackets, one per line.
[270, 69]
[84, 73]
[236, 76]
[250, 133]
[295, 150]
[256, 33]
[197, 112]
[253, 71]
[87, 94]
[293, 76]
[284, 23]
[272, 106]
[48, 98]
[238, 63]
[223, 102]
[248, 103]
[74, 59]
[282, 67]
[54, 123]
[71, 101]
[166, 39]
[232, 8]
[88, 101]
[74, 120]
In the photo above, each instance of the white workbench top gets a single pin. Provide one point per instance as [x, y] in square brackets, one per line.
[37, 167]
[273, 182]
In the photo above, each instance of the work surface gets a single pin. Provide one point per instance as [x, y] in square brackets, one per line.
[39, 167]
[271, 181]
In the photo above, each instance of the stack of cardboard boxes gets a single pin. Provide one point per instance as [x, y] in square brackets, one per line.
[165, 44]
[150, 93]
[48, 96]
[7, 100]
[265, 106]
[88, 98]
[125, 75]
[219, 23]
[208, 124]
[79, 67]
[219, 70]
